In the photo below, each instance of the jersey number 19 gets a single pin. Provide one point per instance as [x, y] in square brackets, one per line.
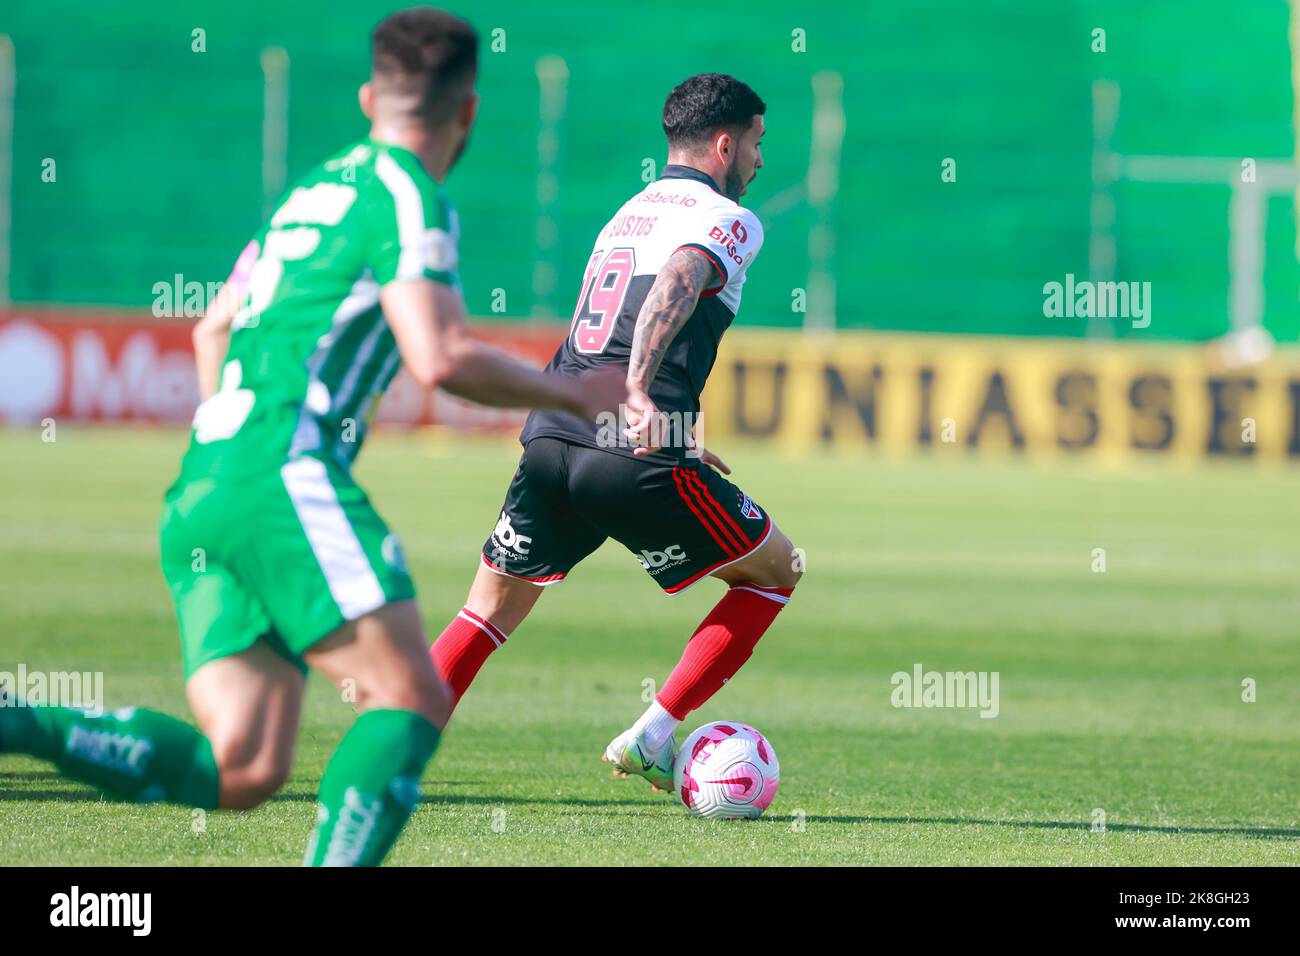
[604, 286]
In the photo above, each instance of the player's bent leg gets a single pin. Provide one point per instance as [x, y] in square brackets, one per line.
[372, 783]
[538, 538]
[248, 705]
[760, 585]
[777, 563]
[690, 523]
[384, 657]
[496, 605]
[502, 599]
[131, 753]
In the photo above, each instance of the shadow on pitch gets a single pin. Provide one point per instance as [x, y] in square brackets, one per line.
[85, 795]
[82, 793]
[1262, 832]
[436, 799]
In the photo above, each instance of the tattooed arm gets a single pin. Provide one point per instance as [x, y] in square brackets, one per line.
[667, 307]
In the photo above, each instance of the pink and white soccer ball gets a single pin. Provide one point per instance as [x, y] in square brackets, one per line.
[726, 771]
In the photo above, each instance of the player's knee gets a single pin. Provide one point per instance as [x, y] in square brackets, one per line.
[251, 789]
[779, 576]
[786, 567]
[790, 577]
[502, 600]
[423, 693]
[248, 783]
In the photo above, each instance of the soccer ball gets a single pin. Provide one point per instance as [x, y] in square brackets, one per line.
[726, 771]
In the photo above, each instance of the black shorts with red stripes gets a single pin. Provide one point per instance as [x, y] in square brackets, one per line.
[681, 522]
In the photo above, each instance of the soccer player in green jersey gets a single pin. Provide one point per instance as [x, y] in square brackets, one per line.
[275, 557]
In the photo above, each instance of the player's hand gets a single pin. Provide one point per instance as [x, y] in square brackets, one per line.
[642, 416]
[713, 461]
[600, 391]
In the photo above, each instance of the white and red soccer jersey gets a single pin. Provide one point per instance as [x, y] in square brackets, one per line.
[682, 209]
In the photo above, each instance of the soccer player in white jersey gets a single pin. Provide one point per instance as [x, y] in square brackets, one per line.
[661, 286]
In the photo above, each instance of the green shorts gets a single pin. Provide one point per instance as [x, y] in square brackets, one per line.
[288, 557]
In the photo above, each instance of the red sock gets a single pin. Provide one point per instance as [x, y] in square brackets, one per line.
[463, 646]
[723, 641]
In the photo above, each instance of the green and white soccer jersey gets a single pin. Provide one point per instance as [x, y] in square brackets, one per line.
[265, 533]
[310, 352]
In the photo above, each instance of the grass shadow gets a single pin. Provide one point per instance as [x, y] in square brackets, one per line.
[1260, 832]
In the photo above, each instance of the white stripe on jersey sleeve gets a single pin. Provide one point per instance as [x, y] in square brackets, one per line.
[410, 215]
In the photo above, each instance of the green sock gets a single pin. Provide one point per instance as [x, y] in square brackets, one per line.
[135, 754]
[370, 787]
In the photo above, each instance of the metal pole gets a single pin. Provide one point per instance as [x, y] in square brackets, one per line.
[275, 125]
[1101, 210]
[8, 91]
[553, 84]
[823, 188]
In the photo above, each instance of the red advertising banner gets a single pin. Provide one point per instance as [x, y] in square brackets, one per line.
[101, 365]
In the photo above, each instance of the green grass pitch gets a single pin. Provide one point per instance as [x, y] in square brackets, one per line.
[1119, 691]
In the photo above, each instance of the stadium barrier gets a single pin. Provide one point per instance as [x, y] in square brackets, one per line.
[104, 366]
[895, 393]
[908, 393]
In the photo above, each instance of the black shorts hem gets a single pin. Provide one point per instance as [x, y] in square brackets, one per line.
[701, 575]
[542, 581]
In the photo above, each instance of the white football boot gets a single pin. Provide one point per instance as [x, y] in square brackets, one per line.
[629, 755]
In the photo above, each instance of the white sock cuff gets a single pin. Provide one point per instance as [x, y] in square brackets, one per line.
[656, 724]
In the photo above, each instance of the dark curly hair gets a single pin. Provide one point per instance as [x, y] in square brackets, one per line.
[699, 107]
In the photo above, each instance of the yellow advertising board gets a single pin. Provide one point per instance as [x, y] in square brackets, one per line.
[905, 393]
